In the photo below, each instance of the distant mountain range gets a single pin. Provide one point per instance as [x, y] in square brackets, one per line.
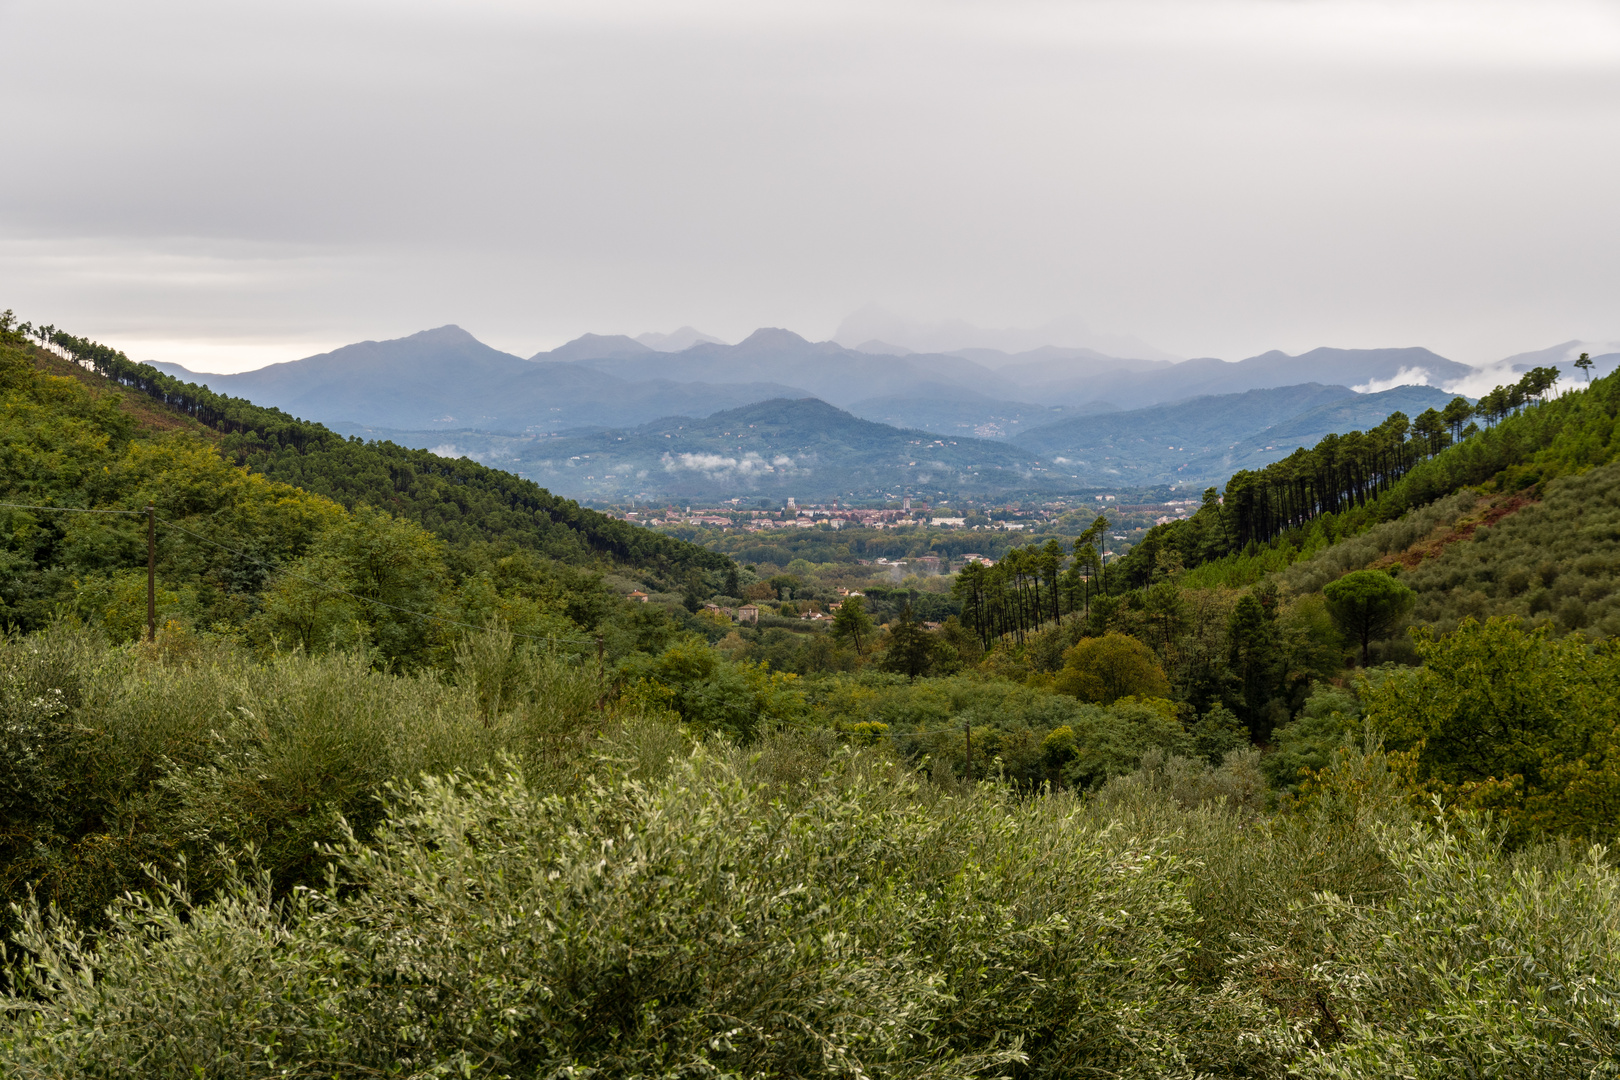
[1039, 420]
[874, 329]
[784, 447]
[446, 378]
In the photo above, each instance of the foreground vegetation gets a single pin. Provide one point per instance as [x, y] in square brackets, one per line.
[382, 798]
[378, 875]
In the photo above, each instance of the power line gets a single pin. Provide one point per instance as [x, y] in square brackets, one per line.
[70, 509]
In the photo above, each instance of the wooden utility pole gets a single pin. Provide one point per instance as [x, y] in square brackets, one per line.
[601, 691]
[151, 573]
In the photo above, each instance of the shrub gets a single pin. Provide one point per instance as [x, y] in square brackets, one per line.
[1329, 718]
[120, 757]
[688, 925]
[715, 695]
[1476, 966]
[1015, 728]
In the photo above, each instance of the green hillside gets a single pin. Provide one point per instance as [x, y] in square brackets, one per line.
[1348, 483]
[382, 802]
[458, 500]
[1546, 555]
[411, 558]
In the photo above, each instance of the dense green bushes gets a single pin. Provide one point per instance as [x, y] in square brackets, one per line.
[677, 924]
[1506, 718]
[1476, 964]
[798, 910]
[712, 695]
[115, 759]
[1029, 735]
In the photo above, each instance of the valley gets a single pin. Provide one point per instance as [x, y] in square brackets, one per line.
[782, 541]
[383, 687]
[600, 417]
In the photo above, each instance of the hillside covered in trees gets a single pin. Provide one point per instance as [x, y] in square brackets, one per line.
[379, 799]
[457, 499]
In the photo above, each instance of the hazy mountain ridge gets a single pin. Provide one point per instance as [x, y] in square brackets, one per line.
[1207, 438]
[1350, 367]
[873, 324]
[801, 447]
[1099, 420]
[676, 340]
[446, 378]
[804, 447]
[949, 410]
[821, 369]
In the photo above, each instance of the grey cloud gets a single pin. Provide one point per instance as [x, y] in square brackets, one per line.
[1220, 178]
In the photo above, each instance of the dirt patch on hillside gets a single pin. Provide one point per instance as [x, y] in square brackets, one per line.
[1488, 510]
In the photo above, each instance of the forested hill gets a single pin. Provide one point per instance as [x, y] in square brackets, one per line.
[459, 500]
[804, 448]
[1347, 484]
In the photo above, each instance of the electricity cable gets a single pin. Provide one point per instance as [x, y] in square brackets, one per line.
[69, 509]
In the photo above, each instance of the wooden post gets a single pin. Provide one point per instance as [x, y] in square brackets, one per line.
[151, 573]
[601, 691]
[967, 728]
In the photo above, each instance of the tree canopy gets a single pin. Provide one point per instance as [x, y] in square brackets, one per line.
[1368, 605]
[1105, 669]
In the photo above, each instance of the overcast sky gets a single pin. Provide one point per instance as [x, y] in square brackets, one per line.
[226, 184]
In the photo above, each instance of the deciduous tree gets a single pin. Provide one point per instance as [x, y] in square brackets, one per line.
[1107, 668]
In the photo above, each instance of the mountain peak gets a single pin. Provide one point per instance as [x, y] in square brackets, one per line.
[677, 340]
[596, 347]
[448, 334]
[773, 337]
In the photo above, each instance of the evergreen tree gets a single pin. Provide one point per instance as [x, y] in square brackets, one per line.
[1252, 644]
[1368, 605]
[853, 624]
[911, 648]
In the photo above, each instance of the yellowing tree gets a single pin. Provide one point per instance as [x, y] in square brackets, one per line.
[1110, 667]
